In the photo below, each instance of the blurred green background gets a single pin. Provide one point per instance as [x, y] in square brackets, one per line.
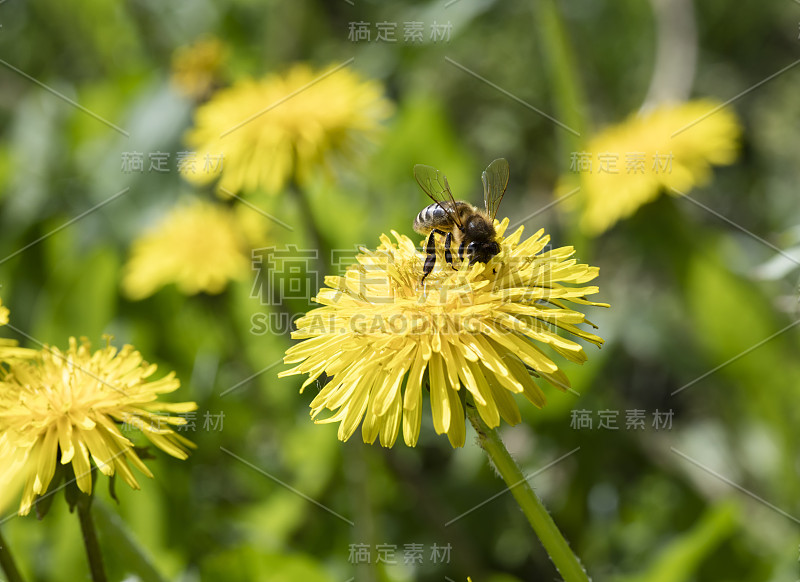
[696, 299]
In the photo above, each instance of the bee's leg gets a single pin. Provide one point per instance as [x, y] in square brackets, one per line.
[448, 255]
[430, 260]
[461, 248]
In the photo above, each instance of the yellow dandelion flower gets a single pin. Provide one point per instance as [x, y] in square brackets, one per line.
[670, 148]
[71, 407]
[197, 68]
[479, 330]
[280, 128]
[199, 246]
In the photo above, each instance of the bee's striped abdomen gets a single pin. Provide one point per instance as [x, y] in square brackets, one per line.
[434, 216]
[430, 217]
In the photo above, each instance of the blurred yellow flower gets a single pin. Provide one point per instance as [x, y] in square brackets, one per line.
[280, 128]
[72, 407]
[670, 148]
[3, 313]
[199, 246]
[196, 68]
[381, 336]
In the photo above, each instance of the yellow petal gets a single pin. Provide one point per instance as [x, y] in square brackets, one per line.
[440, 402]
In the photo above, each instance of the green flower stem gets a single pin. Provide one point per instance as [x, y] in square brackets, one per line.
[364, 532]
[569, 100]
[312, 226]
[7, 562]
[559, 64]
[84, 505]
[567, 563]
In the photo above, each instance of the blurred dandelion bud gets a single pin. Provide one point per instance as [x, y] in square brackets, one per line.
[197, 68]
[9, 350]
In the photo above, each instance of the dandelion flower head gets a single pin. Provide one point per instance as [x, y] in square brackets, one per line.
[481, 331]
[199, 246]
[196, 68]
[71, 407]
[670, 148]
[280, 128]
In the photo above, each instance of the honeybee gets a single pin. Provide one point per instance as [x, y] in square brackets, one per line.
[470, 228]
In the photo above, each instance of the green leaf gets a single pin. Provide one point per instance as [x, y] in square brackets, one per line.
[247, 563]
[118, 541]
[81, 291]
[755, 350]
[681, 558]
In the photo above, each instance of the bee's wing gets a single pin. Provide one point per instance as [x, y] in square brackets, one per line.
[495, 181]
[435, 185]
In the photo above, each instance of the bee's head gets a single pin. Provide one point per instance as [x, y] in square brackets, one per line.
[482, 251]
[480, 232]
